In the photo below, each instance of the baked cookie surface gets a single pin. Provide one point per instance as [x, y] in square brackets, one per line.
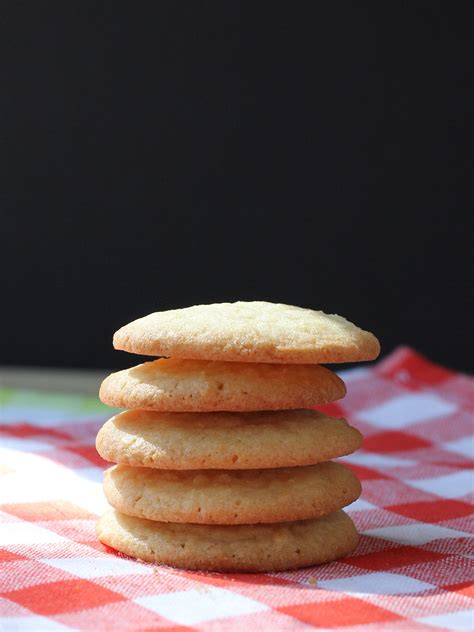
[199, 385]
[243, 548]
[250, 332]
[186, 441]
[231, 496]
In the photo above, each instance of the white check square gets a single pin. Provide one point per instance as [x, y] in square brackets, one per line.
[416, 533]
[405, 410]
[360, 505]
[462, 620]
[26, 533]
[190, 607]
[369, 459]
[450, 486]
[90, 567]
[35, 624]
[94, 474]
[464, 446]
[24, 445]
[376, 584]
[353, 375]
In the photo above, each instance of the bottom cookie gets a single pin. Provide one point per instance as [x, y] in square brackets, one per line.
[241, 548]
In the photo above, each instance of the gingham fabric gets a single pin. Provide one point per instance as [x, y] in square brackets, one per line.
[412, 570]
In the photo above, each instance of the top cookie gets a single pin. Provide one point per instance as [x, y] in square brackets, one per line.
[248, 332]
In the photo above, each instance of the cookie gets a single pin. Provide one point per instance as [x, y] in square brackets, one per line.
[231, 496]
[248, 332]
[243, 548]
[200, 385]
[186, 441]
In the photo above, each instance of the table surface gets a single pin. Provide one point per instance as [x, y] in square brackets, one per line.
[413, 570]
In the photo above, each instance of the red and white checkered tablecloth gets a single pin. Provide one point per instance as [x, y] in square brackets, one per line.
[413, 569]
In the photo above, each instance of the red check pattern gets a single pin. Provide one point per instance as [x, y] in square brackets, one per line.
[413, 569]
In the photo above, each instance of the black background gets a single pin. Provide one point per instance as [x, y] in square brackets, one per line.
[170, 153]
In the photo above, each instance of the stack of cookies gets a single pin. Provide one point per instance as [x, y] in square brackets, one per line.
[223, 463]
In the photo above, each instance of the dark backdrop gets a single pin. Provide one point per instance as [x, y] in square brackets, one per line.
[170, 153]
